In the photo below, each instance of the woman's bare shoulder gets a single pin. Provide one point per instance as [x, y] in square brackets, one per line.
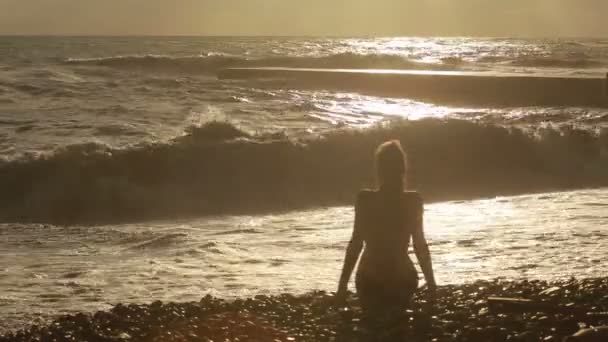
[367, 192]
[413, 196]
[364, 195]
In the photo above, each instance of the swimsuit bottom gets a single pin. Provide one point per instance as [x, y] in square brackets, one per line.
[386, 293]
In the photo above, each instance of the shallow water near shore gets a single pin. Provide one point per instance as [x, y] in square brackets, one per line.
[51, 270]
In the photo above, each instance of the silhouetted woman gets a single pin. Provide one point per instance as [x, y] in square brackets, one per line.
[385, 221]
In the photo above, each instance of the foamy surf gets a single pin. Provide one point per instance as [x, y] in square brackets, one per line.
[79, 268]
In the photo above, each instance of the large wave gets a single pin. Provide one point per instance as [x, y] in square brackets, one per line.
[217, 169]
[460, 88]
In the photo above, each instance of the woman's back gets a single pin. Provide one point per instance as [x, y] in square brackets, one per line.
[386, 222]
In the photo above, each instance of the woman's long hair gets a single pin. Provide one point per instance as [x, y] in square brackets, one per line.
[391, 167]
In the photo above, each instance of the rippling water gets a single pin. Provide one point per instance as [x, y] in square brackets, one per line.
[70, 269]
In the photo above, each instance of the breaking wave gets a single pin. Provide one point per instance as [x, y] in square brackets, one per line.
[219, 169]
[461, 89]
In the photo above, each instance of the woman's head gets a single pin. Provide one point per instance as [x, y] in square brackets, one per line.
[391, 165]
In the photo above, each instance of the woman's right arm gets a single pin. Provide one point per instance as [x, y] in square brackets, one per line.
[421, 248]
[353, 250]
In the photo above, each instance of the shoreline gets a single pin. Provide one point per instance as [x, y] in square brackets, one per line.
[461, 313]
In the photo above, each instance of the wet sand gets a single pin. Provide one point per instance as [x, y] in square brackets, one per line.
[461, 313]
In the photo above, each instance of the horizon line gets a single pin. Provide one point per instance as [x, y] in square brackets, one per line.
[298, 36]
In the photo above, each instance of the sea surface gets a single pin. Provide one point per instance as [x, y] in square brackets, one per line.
[71, 101]
[56, 91]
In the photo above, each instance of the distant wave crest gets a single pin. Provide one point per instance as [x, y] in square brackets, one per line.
[212, 62]
[556, 63]
[218, 168]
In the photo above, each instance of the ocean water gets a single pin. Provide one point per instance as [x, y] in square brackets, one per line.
[56, 91]
[129, 172]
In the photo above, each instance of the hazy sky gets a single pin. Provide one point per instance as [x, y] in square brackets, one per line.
[306, 17]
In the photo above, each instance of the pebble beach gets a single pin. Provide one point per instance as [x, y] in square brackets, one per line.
[461, 313]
